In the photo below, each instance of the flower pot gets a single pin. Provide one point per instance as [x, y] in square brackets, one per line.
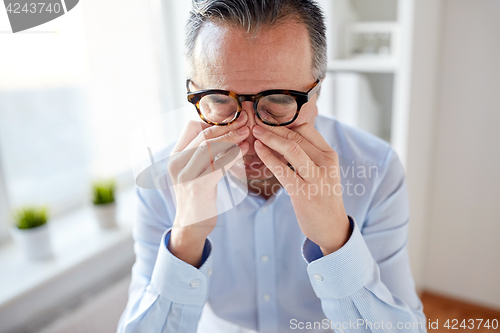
[34, 242]
[106, 215]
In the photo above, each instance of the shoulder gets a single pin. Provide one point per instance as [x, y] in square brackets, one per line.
[354, 145]
[153, 185]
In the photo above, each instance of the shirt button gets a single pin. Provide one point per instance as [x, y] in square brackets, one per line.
[264, 258]
[266, 297]
[264, 210]
[195, 283]
[318, 277]
[209, 272]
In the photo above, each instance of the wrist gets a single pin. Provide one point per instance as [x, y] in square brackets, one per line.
[186, 248]
[345, 231]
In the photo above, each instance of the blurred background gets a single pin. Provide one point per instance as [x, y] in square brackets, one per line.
[423, 75]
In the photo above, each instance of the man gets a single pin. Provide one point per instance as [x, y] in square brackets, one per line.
[320, 241]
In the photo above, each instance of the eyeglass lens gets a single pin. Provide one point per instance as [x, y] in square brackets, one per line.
[272, 109]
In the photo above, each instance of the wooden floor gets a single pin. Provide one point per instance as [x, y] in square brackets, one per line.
[441, 308]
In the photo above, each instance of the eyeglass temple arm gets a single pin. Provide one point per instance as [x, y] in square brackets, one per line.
[314, 89]
[187, 85]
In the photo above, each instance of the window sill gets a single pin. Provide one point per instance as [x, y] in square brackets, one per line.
[85, 257]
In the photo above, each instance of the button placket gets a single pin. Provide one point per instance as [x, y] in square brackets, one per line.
[264, 241]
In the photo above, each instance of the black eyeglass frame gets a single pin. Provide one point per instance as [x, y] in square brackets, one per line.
[300, 97]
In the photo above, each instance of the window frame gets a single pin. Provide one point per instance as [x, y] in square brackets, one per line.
[5, 215]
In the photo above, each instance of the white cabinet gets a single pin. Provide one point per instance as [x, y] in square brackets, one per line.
[369, 45]
[383, 59]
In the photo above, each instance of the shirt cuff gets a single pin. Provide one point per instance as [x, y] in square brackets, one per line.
[179, 281]
[342, 272]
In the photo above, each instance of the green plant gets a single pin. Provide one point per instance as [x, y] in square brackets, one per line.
[30, 217]
[103, 192]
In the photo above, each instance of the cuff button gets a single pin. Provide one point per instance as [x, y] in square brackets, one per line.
[318, 277]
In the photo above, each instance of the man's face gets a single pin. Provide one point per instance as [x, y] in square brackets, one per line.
[229, 58]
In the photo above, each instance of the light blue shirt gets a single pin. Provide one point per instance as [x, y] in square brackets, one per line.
[260, 272]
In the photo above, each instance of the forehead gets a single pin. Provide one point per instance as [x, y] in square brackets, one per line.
[227, 57]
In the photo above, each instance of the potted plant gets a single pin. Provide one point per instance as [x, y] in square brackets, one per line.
[31, 232]
[104, 203]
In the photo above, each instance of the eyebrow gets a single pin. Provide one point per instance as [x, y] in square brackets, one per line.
[281, 99]
[218, 99]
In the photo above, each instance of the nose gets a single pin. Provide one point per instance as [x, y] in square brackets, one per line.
[248, 108]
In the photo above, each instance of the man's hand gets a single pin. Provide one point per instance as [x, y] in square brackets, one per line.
[195, 177]
[315, 187]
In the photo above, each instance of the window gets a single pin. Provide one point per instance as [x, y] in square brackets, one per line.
[71, 92]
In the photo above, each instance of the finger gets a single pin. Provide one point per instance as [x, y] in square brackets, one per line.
[197, 131]
[179, 159]
[198, 157]
[218, 131]
[280, 170]
[291, 150]
[211, 177]
[189, 132]
[315, 153]
[204, 155]
[228, 159]
[177, 162]
[312, 135]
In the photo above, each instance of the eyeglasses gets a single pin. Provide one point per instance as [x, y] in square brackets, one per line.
[277, 107]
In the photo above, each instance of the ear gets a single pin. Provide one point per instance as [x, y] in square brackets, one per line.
[315, 111]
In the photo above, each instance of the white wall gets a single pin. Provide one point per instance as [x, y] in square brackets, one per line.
[463, 257]
[422, 122]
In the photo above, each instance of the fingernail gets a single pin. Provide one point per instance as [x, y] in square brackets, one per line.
[243, 117]
[243, 130]
[258, 130]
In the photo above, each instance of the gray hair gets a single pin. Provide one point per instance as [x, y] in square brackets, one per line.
[252, 14]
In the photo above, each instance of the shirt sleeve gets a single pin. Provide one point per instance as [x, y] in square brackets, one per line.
[367, 285]
[166, 294]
